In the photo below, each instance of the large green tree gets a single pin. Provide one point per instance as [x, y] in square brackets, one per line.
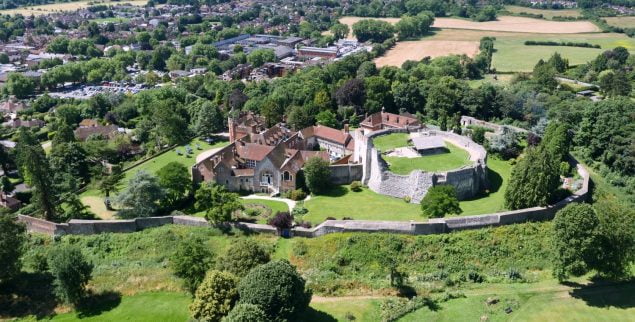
[175, 178]
[191, 260]
[277, 288]
[575, 240]
[19, 85]
[36, 171]
[534, 179]
[215, 297]
[440, 201]
[71, 272]
[12, 239]
[141, 197]
[317, 175]
[373, 30]
[209, 120]
[218, 203]
[243, 256]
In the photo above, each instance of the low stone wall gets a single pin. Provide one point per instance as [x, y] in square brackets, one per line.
[432, 226]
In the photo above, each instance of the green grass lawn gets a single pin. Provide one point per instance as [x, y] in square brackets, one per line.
[151, 307]
[152, 166]
[364, 205]
[391, 141]
[499, 172]
[275, 206]
[512, 54]
[361, 309]
[456, 158]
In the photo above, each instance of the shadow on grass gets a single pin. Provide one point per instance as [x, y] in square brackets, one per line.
[495, 183]
[336, 191]
[313, 315]
[28, 294]
[605, 294]
[96, 304]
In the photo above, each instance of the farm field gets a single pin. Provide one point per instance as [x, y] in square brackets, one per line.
[623, 22]
[547, 13]
[454, 159]
[64, 6]
[520, 25]
[503, 23]
[419, 49]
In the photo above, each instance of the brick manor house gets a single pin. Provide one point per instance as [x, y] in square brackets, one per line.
[261, 159]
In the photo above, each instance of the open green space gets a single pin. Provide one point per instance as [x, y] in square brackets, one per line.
[622, 22]
[546, 13]
[93, 198]
[341, 202]
[513, 55]
[454, 159]
[493, 199]
[150, 307]
[391, 141]
[153, 165]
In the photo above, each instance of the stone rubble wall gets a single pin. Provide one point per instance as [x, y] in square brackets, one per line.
[346, 173]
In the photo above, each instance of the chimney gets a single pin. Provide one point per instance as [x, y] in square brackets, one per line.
[345, 128]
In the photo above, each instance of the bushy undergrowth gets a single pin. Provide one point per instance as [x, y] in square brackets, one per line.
[341, 262]
[137, 262]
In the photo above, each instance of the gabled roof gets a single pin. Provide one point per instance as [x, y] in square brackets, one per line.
[252, 151]
[326, 133]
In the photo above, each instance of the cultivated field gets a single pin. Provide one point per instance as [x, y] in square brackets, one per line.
[548, 14]
[66, 6]
[519, 24]
[418, 49]
[623, 22]
[504, 23]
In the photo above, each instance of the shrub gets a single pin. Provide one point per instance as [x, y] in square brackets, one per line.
[190, 261]
[12, 238]
[356, 186]
[297, 194]
[439, 201]
[330, 218]
[215, 297]
[407, 199]
[277, 288]
[71, 272]
[300, 248]
[303, 224]
[246, 313]
[299, 211]
[252, 212]
[394, 308]
[243, 256]
[282, 220]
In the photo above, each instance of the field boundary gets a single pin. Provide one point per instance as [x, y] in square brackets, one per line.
[432, 226]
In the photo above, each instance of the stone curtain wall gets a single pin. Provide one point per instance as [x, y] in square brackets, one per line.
[468, 181]
[432, 226]
[346, 173]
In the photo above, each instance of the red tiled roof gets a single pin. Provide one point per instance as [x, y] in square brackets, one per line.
[253, 151]
[326, 133]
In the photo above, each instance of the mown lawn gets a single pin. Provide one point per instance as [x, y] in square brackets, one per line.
[454, 159]
[391, 141]
[150, 307]
[93, 198]
[364, 205]
[493, 200]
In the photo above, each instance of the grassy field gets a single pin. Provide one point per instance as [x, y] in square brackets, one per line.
[455, 159]
[150, 307]
[94, 199]
[623, 22]
[391, 141]
[508, 55]
[364, 205]
[502, 80]
[499, 172]
[64, 6]
[548, 14]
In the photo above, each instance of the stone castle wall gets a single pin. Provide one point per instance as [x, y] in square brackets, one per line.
[468, 181]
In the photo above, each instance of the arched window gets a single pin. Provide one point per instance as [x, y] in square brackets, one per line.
[286, 176]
